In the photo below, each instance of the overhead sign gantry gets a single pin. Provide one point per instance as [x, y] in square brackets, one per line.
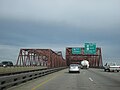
[89, 52]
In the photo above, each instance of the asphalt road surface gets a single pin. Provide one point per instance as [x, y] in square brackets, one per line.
[91, 79]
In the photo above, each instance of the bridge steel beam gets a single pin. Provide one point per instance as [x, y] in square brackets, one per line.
[95, 60]
[40, 57]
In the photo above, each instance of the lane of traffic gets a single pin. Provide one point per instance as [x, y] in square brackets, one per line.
[115, 76]
[68, 81]
[92, 79]
[104, 79]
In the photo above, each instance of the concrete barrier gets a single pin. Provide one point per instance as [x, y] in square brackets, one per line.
[12, 80]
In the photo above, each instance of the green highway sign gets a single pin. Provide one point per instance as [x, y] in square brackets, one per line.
[90, 48]
[76, 50]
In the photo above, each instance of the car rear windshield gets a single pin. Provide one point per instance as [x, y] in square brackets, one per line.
[6, 62]
[74, 65]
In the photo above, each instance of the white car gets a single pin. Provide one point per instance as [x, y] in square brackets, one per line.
[74, 68]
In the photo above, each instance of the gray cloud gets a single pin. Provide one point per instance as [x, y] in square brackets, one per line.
[79, 13]
[60, 23]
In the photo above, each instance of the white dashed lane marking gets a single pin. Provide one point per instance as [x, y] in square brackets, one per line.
[90, 79]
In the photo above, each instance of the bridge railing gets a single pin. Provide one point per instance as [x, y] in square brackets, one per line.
[12, 80]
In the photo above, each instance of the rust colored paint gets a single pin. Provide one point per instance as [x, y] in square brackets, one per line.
[40, 57]
[95, 60]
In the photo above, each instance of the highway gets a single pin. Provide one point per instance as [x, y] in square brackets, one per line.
[91, 79]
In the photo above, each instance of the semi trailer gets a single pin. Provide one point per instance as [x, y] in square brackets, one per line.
[84, 64]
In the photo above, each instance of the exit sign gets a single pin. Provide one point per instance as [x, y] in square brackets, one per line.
[90, 48]
[76, 50]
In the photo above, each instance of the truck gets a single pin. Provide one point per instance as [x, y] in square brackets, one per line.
[84, 64]
[111, 67]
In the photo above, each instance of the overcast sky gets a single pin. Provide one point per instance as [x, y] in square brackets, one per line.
[57, 24]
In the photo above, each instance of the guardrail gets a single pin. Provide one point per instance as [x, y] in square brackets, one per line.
[15, 70]
[12, 80]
